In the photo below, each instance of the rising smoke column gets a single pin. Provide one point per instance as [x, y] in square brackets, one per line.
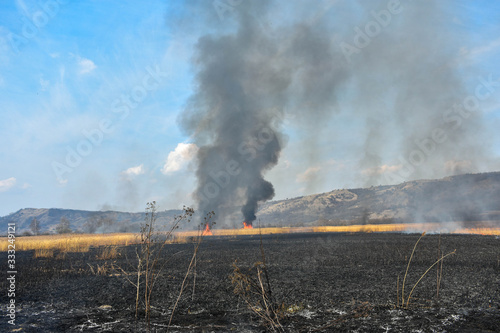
[233, 117]
[245, 81]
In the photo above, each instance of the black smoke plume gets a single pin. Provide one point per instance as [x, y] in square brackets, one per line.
[245, 80]
[258, 62]
[234, 116]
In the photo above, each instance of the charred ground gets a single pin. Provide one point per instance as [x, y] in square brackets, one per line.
[329, 282]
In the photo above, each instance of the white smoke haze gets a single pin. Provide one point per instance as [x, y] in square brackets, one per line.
[459, 167]
[395, 65]
[309, 175]
[380, 170]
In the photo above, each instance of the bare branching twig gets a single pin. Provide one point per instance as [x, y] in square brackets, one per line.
[150, 256]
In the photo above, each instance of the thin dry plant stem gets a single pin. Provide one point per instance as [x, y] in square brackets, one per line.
[194, 280]
[438, 271]
[264, 264]
[146, 271]
[191, 264]
[440, 277]
[138, 285]
[263, 292]
[428, 269]
[275, 325]
[397, 293]
[269, 313]
[183, 283]
[407, 268]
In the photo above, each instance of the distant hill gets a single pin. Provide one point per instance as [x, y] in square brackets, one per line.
[102, 221]
[470, 197]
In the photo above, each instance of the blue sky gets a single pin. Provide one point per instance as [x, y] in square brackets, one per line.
[108, 79]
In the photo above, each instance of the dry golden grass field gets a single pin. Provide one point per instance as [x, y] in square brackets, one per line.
[82, 242]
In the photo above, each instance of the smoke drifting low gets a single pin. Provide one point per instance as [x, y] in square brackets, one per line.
[393, 62]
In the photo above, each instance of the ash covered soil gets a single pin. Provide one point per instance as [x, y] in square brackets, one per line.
[328, 283]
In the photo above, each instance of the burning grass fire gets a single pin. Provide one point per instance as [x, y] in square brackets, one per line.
[247, 225]
[207, 231]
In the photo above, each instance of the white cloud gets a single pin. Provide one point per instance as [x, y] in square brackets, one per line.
[134, 171]
[308, 175]
[44, 84]
[177, 159]
[477, 52]
[7, 184]
[86, 65]
[491, 46]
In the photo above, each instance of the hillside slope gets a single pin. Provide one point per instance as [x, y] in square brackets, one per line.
[103, 221]
[470, 197]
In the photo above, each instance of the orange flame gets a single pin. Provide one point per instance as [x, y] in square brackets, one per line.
[207, 231]
[247, 225]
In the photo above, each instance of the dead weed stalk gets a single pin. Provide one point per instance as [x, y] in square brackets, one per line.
[103, 269]
[108, 252]
[406, 301]
[255, 289]
[207, 224]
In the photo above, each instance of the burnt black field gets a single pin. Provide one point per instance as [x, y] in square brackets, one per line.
[328, 283]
